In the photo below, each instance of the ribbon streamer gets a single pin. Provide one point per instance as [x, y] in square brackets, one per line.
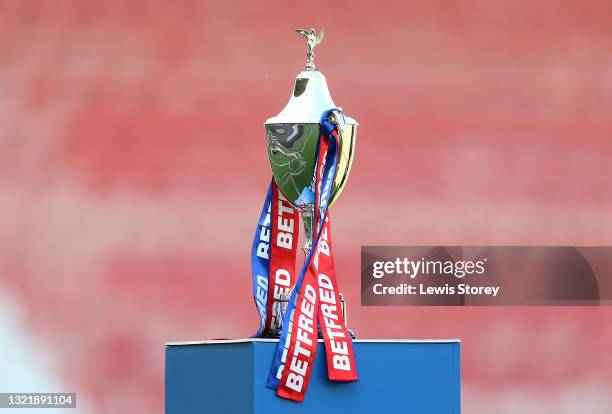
[314, 300]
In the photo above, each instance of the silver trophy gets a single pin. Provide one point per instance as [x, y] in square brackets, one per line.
[292, 137]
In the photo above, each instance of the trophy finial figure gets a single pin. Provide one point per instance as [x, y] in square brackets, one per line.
[313, 40]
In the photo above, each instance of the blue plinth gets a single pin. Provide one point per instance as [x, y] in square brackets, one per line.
[395, 376]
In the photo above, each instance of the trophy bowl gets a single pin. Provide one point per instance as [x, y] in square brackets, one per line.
[293, 134]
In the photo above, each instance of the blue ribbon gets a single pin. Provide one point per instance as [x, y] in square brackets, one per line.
[260, 261]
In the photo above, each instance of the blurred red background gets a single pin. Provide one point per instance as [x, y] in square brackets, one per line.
[133, 168]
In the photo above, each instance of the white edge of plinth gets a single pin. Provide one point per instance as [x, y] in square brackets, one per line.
[237, 341]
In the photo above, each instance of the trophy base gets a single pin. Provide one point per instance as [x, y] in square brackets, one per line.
[229, 376]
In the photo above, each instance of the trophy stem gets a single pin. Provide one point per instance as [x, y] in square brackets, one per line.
[307, 220]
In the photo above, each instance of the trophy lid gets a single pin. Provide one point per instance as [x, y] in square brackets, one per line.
[309, 100]
[310, 96]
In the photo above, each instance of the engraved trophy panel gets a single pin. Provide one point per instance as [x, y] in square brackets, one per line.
[291, 152]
